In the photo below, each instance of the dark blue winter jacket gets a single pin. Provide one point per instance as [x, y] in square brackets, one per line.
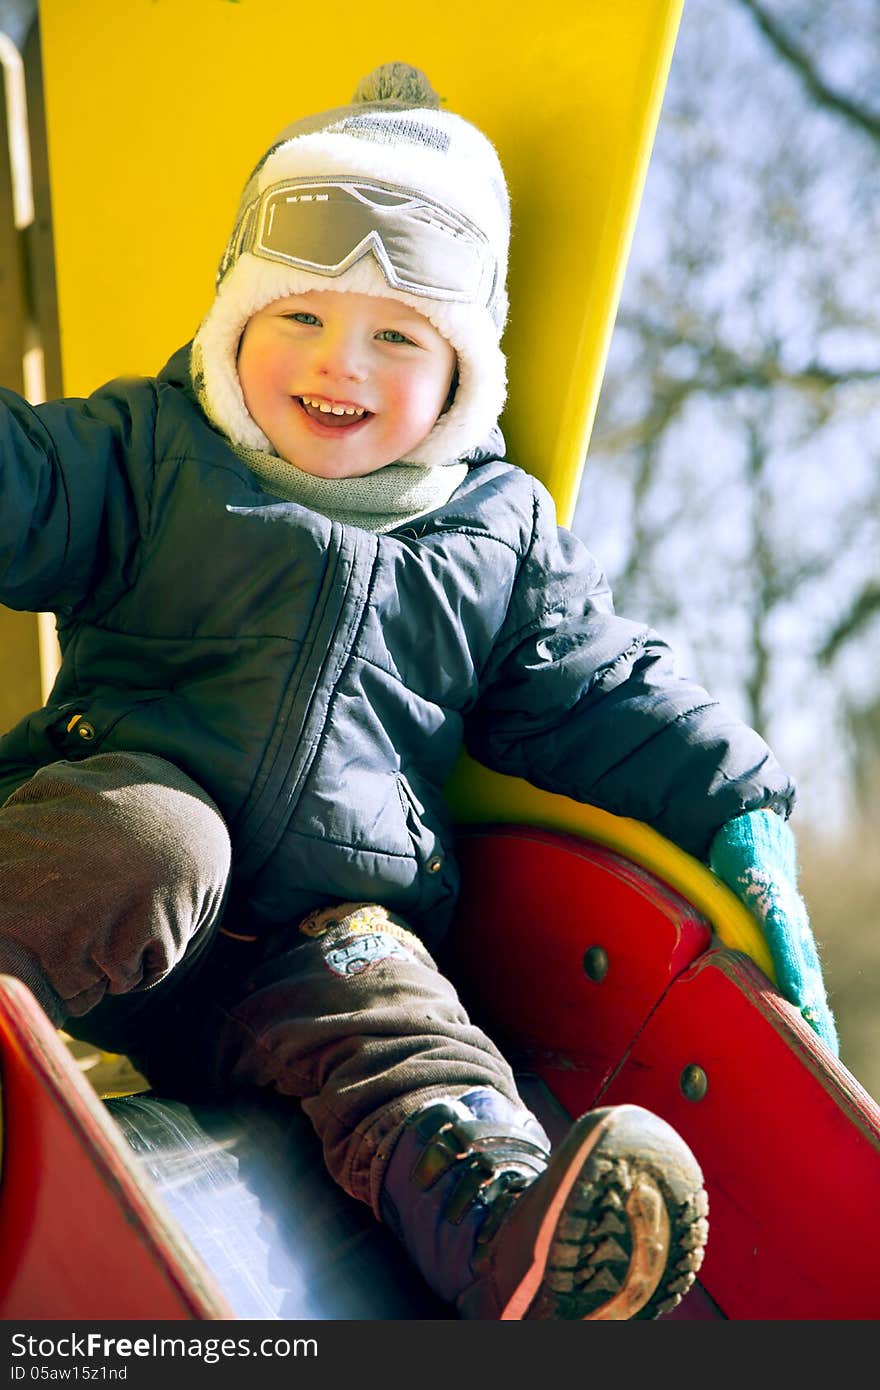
[318, 679]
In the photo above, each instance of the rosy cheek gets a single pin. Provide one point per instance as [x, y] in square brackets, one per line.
[264, 362]
[432, 397]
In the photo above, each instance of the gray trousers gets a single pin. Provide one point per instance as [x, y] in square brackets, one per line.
[113, 882]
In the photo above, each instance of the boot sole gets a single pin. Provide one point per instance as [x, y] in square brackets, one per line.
[624, 1232]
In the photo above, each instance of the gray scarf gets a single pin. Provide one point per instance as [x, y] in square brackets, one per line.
[378, 501]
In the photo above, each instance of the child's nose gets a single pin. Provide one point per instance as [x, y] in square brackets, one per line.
[341, 357]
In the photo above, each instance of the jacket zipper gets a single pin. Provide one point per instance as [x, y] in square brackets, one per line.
[291, 751]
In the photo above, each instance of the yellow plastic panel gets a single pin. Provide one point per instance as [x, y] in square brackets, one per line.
[158, 109]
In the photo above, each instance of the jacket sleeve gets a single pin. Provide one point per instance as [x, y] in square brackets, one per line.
[70, 511]
[580, 701]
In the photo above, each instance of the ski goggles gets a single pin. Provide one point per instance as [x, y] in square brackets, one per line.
[327, 225]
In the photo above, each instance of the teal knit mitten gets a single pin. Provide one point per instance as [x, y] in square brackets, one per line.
[755, 855]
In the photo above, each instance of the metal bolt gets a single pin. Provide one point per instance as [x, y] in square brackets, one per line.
[596, 964]
[694, 1082]
[85, 730]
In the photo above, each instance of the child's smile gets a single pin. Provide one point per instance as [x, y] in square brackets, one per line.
[343, 384]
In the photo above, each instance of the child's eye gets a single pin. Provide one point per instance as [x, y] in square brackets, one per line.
[391, 335]
[302, 317]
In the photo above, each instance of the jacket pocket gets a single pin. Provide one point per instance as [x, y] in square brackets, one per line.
[79, 728]
[437, 871]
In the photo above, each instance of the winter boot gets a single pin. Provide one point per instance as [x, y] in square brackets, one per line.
[611, 1226]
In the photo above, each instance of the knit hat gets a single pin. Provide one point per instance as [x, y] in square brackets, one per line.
[388, 196]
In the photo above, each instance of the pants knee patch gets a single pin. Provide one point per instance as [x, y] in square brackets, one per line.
[354, 918]
[353, 937]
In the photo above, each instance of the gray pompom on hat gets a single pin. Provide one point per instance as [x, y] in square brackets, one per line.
[396, 82]
[395, 134]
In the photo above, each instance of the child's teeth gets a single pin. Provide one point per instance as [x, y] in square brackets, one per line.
[327, 409]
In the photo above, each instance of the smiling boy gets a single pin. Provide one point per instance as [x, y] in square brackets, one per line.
[293, 575]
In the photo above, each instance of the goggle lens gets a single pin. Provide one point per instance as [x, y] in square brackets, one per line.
[326, 227]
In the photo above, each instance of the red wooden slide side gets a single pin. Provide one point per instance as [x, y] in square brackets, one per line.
[788, 1140]
[79, 1236]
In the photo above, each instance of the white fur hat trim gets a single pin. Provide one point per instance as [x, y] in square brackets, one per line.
[252, 283]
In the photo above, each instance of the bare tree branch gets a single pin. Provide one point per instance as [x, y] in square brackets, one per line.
[800, 61]
[728, 368]
[864, 608]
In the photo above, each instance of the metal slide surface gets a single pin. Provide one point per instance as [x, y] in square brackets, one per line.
[247, 1186]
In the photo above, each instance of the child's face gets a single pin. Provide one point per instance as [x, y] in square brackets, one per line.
[359, 352]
